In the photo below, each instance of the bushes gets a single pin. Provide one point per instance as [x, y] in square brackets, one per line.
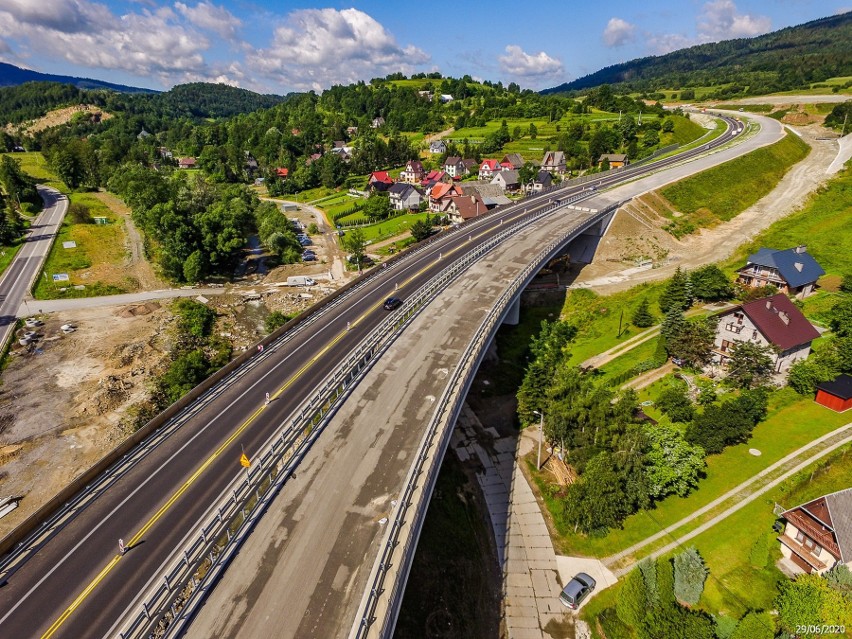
[731, 422]
[275, 320]
[689, 576]
[675, 402]
[194, 318]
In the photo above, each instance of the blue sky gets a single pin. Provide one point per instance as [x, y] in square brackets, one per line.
[276, 47]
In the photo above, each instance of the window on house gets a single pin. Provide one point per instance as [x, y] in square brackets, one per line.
[739, 317]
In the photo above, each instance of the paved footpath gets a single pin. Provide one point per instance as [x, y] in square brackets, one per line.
[533, 575]
[741, 495]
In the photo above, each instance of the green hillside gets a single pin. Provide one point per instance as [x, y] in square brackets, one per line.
[792, 58]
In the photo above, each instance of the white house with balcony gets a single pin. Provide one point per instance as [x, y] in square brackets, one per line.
[818, 535]
[771, 321]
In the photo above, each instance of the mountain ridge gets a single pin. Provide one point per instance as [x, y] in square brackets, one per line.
[11, 75]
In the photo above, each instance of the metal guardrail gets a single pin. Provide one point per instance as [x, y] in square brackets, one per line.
[173, 598]
[460, 380]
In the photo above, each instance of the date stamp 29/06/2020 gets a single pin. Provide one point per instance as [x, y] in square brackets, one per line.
[820, 629]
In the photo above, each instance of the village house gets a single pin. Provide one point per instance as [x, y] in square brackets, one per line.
[794, 271]
[427, 95]
[437, 147]
[616, 160]
[554, 162]
[488, 168]
[454, 167]
[413, 172]
[512, 161]
[470, 165]
[165, 153]
[771, 321]
[818, 534]
[435, 177]
[508, 181]
[379, 181]
[489, 194]
[465, 207]
[352, 131]
[282, 172]
[542, 180]
[341, 148]
[142, 135]
[186, 163]
[405, 197]
[445, 97]
[377, 122]
[441, 196]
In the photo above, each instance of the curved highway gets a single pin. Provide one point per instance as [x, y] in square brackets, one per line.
[72, 582]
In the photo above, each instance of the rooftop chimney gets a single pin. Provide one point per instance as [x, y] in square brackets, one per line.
[768, 303]
[801, 248]
[784, 317]
[798, 266]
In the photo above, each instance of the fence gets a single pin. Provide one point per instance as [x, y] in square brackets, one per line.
[432, 447]
[174, 596]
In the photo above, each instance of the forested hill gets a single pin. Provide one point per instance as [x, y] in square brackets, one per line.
[194, 101]
[206, 100]
[791, 58]
[10, 75]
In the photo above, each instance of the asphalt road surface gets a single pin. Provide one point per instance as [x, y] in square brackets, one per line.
[16, 280]
[75, 584]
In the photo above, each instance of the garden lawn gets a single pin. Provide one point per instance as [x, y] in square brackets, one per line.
[99, 255]
[792, 422]
[624, 363]
[735, 585]
[744, 181]
[393, 226]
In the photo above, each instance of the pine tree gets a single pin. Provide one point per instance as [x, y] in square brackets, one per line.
[642, 315]
[677, 294]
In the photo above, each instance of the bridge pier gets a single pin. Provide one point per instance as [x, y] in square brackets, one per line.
[513, 313]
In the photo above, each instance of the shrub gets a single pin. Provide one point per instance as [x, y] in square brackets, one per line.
[275, 320]
[689, 576]
[79, 213]
[632, 602]
[194, 318]
[674, 401]
[755, 625]
[759, 555]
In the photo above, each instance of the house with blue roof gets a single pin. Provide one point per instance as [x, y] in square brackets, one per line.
[793, 271]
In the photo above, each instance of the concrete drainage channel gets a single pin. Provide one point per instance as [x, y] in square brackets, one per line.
[172, 598]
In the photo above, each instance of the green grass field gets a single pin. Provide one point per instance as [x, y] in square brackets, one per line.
[34, 164]
[824, 224]
[392, 227]
[721, 193]
[99, 252]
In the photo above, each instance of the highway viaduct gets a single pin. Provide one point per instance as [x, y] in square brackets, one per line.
[305, 566]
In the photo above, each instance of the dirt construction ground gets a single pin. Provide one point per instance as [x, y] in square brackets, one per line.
[633, 233]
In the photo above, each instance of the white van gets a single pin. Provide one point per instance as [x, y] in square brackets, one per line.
[300, 280]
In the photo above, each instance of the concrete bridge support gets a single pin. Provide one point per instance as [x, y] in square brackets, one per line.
[513, 313]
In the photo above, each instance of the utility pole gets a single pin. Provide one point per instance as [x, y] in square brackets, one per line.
[540, 437]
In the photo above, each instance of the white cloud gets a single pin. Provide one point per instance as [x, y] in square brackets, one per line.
[67, 16]
[618, 32]
[530, 67]
[660, 44]
[315, 48]
[720, 20]
[209, 17]
[151, 43]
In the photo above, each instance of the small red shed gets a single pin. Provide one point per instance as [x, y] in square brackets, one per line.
[836, 394]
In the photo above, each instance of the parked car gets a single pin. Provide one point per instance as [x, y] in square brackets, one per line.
[576, 590]
[305, 241]
[392, 303]
[309, 256]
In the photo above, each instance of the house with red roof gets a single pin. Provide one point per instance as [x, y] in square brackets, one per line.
[771, 321]
[466, 207]
[818, 534]
[435, 177]
[487, 169]
[186, 163]
[441, 196]
[282, 172]
[379, 181]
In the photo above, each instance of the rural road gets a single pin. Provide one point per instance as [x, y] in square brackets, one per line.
[52, 306]
[20, 274]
